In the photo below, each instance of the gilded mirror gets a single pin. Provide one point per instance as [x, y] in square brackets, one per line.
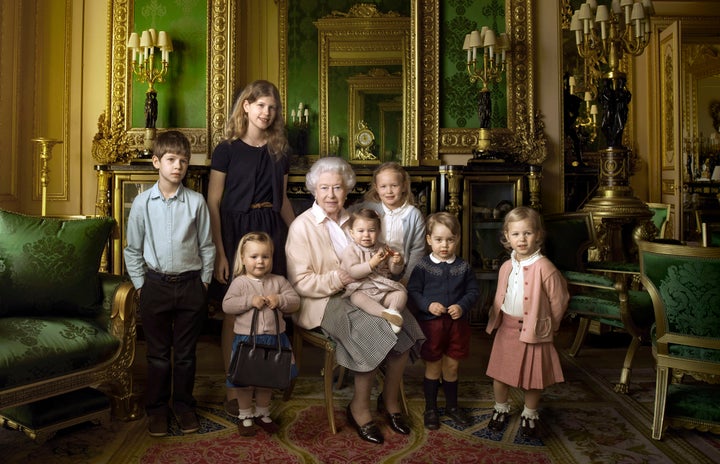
[214, 71]
[377, 44]
[376, 98]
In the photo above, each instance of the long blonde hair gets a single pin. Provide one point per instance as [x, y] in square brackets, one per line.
[258, 237]
[237, 124]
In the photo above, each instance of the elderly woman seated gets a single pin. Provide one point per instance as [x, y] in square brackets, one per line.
[315, 241]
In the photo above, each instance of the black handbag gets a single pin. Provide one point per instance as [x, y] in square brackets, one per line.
[258, 365]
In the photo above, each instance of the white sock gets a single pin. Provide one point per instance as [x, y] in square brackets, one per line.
[502, 407]
[530, 413]
[246, 413]
[263, 412]
[246, 416]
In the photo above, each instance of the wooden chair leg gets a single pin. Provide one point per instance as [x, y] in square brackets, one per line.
[661, 384]
[403, 398]
[341, 378]
[622, 386]
[297, 343]
[580, 336]
[328, 384]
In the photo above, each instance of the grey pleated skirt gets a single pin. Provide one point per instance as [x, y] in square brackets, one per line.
[363, 340]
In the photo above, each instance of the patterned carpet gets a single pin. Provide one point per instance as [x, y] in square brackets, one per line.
[583, 421]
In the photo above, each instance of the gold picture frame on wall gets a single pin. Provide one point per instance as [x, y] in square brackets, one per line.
[220, 55]
[522, 121]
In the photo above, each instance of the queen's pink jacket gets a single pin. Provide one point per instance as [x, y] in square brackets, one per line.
[312, 267]
[545, 300]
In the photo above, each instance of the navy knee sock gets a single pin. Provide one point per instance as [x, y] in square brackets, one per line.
[431, 387]
[451, 394]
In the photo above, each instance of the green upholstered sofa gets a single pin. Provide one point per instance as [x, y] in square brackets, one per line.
[63, 325]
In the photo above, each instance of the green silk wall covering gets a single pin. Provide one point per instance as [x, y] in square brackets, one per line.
[182, 97]
[459, 98]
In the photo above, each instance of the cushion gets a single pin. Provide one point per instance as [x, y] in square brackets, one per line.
[37, 348]
[50, 265]
[59, 408]
[693, 402]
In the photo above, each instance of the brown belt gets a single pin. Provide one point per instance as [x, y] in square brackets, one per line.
[264, 204]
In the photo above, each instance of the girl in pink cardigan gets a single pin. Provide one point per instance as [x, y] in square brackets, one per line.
[529, 305]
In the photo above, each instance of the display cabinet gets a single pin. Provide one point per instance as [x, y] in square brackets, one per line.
[481, 196]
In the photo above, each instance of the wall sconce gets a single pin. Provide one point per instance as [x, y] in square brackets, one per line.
[142, 52]
[486, 69]
[301, 123]
[335, 145]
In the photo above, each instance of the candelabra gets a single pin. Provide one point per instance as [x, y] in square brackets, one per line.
[486, 69]
[301, 123]
[142, 51]
[335, 145]
[604, 35]
[46, 146]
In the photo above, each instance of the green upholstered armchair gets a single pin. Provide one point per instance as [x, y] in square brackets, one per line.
[601, 295]
[683, 285]
[661, 216]
[63, 325]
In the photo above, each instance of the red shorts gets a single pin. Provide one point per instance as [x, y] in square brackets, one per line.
[445, 337]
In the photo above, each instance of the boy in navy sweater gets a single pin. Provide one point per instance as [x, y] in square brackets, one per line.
[442, 289]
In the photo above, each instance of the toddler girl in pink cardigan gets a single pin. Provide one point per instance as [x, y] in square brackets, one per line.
[530, 302]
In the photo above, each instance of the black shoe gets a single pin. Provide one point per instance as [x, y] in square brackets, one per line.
[231, 407]
[157, 425]
[398, 423]
[188, 422]
[529, 427]
[368, 432]
[457, 415]
[431, 419]
[396, 420]
[498, 420]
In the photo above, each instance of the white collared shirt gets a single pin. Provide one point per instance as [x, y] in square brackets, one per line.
[338, 236]
[437, 260]
[513, 304]
[392, 223]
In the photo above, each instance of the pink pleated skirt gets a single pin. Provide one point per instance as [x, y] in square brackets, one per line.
[530, 366]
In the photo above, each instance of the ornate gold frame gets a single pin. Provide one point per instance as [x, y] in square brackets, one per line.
[219, 84]
[363, 36]
[523, 126]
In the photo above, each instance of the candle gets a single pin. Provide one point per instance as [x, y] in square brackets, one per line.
[292, 115]
[571, 83]
[300, 107]
[307, 115]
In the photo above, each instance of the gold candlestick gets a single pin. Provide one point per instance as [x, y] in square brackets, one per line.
[46, 146]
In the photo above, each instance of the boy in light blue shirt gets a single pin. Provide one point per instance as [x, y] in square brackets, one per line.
[169, 257]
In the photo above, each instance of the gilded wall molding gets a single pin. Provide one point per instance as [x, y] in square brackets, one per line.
[220, 76]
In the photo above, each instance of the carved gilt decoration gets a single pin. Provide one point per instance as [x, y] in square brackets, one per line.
[220, 53]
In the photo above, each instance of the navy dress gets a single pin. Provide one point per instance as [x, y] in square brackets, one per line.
[253, 178]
